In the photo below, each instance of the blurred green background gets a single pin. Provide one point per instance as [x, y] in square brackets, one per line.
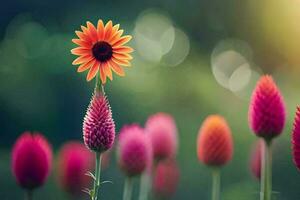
[192, 58]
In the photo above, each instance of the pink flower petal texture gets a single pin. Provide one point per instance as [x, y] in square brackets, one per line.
[134, 150]
[162, 131]
[166, 179]
[267, 110]
[255, 158]
[31, 160]
[98, 125]
[214, 143]
[296, 139]
[74, 161]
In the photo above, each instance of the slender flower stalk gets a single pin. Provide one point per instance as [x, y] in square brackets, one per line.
[144, 186]
[128, 189]
[216, 183]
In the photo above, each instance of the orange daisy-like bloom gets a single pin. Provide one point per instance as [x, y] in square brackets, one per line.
[101, 49]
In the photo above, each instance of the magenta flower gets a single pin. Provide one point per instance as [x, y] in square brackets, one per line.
[134, 150]
[98, 125]
[163, 135]
[31, 160]
[74, 161]
[166, 178]
[296, 139]
[267, 110]
[255, 159]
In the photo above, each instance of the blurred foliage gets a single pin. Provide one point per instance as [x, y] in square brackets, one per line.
[40, 89]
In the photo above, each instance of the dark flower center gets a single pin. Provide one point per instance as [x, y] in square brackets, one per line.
[102, 51]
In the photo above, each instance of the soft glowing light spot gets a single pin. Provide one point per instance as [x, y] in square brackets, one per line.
[154, 35]
[179, 50]
[232, 66]
[240, 78]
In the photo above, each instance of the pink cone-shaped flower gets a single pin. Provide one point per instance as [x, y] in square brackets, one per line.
[98, 125]
[31, 160]
[296, 139]
[214, 143]
[134, 150]
[267, 110]
[166, 178]
[255, 158]
[74, 161]
[162, 131]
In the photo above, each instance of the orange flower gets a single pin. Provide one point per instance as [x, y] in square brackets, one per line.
[101, 49]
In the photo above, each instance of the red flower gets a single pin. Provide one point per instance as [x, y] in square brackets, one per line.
[162, 131]
[296, 139]
[74, 161]
[214, 144]
[134, 150]
[267, 110]
[166, 178]
[255, 158]
[31, 160]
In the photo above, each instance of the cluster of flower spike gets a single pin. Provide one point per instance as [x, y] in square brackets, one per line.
[98, 125]
[31, 160]
[214, 143]
[267, 110]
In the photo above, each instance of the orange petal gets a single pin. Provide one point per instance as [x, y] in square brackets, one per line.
[107, 30]
[107, 70]
[86, 66]
[102, 75]
[100, 29]
[121, 62]
[82, 59]
[82, 43]
[92, 31]
[114, 31]
[93, 71]
[123, 49]
[122, 40]
[80, 51]
[117, 69]
[122, 56]
[82, 36]
[116, 37]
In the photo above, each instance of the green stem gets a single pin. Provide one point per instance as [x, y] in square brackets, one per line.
[128, 189]
[266, 169]
[28, 195]
[144, 186]
[97, 176]
[216, 183]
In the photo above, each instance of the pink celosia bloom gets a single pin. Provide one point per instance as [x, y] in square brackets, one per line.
[98, 125]
[296, 139]
[162, 131]
[31, 160]
[267, 110]
[134, 150]
[214, 143]
[166, 178]
[74, 161]
[255, 158]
